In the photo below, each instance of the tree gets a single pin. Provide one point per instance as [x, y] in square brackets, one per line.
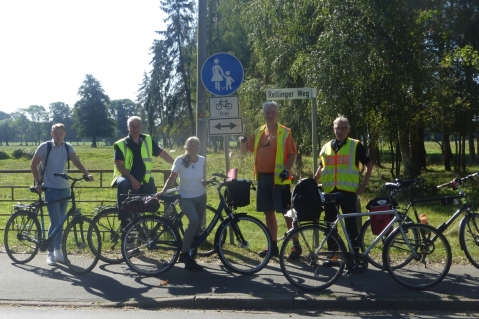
[6, 131]
[62, 113]
[20, 125]
[39, 119]
[178, 38]
[90, 113]
[120, 111]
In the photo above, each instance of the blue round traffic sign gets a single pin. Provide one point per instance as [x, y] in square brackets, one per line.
[222, 74]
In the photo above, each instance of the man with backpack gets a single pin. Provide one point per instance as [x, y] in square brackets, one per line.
[339, 172]
[133, 164]
[274, 154]
[52, 157]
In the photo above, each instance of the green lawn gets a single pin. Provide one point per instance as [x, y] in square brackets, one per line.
[102, 158]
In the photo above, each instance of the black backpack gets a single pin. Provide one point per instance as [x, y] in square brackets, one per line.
[306, 200]
[41, 168]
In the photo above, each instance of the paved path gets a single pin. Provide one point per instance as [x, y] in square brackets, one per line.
[216, 288]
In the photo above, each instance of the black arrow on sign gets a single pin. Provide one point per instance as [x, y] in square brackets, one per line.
[231, 126]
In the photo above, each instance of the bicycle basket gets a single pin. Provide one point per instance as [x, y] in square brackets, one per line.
[237, 193]
[140, 204]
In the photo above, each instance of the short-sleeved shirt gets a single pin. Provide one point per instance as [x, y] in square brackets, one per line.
[57, 161]
[266, 152]
[138, 169]
[191, 177]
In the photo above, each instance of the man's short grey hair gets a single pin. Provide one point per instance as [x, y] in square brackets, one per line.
[133, 118]
[270, 103]
[342, 119]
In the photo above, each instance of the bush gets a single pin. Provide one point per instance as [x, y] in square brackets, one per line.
[21, 153]
[3, 155]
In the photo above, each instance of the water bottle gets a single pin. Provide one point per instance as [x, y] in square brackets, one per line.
[423, 219]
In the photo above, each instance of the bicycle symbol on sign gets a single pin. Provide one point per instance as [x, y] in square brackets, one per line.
[224, 104]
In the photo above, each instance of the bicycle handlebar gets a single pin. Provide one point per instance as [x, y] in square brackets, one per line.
[459, 181]
[67, 177]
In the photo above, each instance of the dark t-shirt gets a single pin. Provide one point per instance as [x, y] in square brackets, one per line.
[138, 167]
[361, 154]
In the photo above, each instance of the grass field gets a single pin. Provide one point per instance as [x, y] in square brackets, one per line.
[102, 158]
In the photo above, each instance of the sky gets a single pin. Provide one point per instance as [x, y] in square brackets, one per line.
[48, 46]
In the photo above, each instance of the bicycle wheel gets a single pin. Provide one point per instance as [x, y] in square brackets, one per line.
[240, 253]
[207, 247]
[307, 271]
[366, 238]
[426, 265]
[81, 245]
[108, 224]
[22, 233]
[469, 237]
[150, 245]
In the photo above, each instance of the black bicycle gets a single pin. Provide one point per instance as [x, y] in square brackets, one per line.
[106, 219]
[468, 227]
[25, 236]
[151, 244]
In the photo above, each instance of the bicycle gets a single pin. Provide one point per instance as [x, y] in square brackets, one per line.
[106, 219]
[224, 104]
[416, 256]
[151, 244]
[24, 235]
[468, 227]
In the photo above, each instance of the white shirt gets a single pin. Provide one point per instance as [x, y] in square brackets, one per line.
[190, 178]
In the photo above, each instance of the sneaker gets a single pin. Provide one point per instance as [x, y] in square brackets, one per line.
[59, 256]
[296, 252]
[190, 263]
[51, 259]
[265, 251]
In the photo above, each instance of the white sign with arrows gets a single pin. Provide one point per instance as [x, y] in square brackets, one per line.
[226, 126]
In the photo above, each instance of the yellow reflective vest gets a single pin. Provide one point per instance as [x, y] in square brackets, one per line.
[281, 157]
[340, 169]
[146, 155]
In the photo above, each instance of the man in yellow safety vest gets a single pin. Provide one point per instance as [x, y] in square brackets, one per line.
[339, 172]
[133, 163]
[274, 154]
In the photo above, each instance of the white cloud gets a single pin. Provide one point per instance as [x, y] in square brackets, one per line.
[48, 46]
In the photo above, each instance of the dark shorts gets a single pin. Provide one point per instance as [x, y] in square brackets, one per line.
[269, 197]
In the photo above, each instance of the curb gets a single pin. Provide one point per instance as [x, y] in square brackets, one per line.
[273, 304]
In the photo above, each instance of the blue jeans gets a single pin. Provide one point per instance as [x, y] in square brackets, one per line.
[123, 186]
[56, 212]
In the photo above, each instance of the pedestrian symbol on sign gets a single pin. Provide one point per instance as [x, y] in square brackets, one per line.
[222, 74]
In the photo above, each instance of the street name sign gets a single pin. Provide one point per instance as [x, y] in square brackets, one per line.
[289, 94]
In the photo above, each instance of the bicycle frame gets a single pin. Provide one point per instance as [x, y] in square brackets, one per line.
[384, 232]
[37, 208]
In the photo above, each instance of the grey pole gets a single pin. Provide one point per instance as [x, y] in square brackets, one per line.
[200, 89]
[314, 130]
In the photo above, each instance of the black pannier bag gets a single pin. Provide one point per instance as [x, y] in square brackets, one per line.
[379, 222]
[306, 201]
[237, 193]
[140, 204]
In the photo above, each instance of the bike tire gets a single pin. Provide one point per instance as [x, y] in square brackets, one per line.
[425, 269]
[150, 245]
[21, 236]
[307, 271]
[207, 247]
[240, 253]
[469, 237]
[366, 238]
[109, 226]
[81, 245]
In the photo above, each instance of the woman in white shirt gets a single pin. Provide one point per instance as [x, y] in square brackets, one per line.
[191, 168]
